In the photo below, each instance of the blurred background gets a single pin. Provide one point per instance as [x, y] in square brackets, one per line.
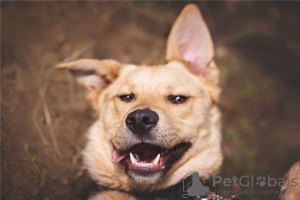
[45, 115]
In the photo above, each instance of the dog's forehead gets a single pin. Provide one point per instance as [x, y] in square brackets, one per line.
[170, 78]
[173, 72]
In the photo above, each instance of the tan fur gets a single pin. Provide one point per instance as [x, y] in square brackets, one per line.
[289, 192]
[113, 194]
[196, 121]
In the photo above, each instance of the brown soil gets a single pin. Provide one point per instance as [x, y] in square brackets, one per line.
[257, 49]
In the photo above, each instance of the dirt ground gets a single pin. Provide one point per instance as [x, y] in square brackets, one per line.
[44, 114]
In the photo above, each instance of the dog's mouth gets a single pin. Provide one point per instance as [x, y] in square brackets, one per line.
[146, 158]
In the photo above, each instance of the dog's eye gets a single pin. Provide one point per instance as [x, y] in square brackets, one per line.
[177, 99]
[126, 97]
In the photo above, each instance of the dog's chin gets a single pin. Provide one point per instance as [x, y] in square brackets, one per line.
[147, 163]
[145, 179]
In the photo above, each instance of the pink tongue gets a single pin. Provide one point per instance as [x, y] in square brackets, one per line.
[117, 157]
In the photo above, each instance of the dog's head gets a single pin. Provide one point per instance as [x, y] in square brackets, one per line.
[156, 123]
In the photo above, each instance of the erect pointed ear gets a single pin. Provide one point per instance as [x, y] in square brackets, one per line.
[190, 42]
[94, 75]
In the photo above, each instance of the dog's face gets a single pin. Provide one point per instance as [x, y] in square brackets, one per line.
[156, 123]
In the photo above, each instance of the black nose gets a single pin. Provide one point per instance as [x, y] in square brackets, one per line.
[141, 121]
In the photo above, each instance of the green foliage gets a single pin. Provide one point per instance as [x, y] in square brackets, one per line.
[41, 172]
[242, 33]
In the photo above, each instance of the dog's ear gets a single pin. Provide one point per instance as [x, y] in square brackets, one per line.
[190, 42]
[94, 75]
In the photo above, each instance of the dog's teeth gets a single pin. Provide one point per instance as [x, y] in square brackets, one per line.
[132, 158]
[155, 162]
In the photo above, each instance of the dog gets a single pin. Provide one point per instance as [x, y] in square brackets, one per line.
[291, 188]
[155, 123]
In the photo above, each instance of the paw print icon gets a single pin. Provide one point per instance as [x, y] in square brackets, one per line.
[261, 181]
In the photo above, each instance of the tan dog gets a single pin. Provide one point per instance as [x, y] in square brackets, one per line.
[291, 188]
[155, 123]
